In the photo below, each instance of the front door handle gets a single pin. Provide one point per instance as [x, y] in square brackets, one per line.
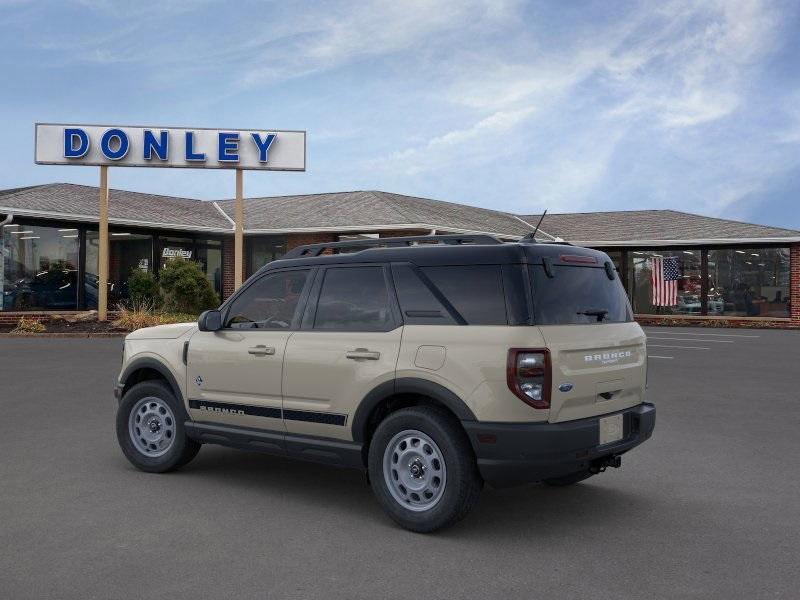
[261, 350]
[363, 353]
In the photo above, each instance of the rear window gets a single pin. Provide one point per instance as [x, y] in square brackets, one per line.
[578, 295]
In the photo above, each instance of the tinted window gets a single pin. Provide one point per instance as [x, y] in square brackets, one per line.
[269, 303]
[476, 292]
[417, 302]
[354, 299]
[578, 295]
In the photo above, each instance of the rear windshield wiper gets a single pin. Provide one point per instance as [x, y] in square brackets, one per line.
[600, 313]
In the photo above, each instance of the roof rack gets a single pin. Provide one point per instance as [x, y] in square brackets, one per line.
[312, 250]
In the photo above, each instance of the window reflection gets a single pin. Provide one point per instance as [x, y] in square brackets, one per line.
[39, 268]
[128, 252]
[666, 281]
[749, 282]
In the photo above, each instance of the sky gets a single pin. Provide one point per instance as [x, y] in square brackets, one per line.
[566, 105]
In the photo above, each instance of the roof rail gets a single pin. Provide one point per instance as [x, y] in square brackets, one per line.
[312, 250]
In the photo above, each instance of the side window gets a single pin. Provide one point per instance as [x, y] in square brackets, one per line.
[476, 292]
[354, 299]
[417, 303]
[269, 303]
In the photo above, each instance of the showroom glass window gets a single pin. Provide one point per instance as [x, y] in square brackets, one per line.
[748, 282]
[39, 268]
[263, 249]
[209, 255]
[128, 251]
[643, 269]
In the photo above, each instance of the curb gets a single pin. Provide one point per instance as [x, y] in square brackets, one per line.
[63, 335]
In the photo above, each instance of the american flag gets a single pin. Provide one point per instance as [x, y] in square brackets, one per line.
[664, 280]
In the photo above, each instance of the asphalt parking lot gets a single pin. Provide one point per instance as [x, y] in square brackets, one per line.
[709, 508]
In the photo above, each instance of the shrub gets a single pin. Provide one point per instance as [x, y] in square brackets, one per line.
[185, 288]
[28, 325]
[143, 289]
[140, 315]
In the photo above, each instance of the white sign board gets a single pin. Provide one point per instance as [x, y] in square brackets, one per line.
[189, 148]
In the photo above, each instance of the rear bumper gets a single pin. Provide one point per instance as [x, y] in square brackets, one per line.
[515, 453]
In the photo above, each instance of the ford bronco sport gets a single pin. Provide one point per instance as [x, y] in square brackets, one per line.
[433, 363]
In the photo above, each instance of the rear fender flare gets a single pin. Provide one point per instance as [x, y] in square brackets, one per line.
[407, 385]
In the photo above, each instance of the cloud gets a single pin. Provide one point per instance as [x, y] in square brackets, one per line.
[464, 146]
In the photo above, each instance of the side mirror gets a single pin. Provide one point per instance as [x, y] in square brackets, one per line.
[210, 320]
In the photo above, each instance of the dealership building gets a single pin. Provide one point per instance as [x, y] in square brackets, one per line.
[726, 270]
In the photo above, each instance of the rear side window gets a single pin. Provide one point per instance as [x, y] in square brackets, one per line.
[354, 299]
[578, 295]
[418, 303]
[475, 291]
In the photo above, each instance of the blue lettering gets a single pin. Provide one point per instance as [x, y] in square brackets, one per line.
[263, 145]
[70, 137]
[190, 153]
[159, 146]
[228, 142]
[122, 146]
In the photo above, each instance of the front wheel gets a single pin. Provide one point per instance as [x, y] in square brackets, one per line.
[422, 469]
[150, 428]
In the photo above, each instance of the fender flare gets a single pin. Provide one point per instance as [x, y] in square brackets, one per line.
[147, 362]
[407, 385]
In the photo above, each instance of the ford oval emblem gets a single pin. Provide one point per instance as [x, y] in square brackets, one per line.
[565, 387]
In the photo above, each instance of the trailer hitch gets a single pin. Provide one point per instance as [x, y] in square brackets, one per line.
[601, 464]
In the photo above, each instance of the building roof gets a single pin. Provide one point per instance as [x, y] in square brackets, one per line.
[372, 211]
[72, 202]
[656, 227]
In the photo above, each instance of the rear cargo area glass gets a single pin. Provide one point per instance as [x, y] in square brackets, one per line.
[578, 295]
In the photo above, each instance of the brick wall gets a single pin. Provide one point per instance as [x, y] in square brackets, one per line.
[301, 239]
[228, 267]
[794, 283]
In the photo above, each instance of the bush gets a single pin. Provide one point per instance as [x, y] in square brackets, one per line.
[185, 288]
[28, 325]
[143, 289]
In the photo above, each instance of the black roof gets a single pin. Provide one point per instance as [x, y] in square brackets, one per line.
[487, 251]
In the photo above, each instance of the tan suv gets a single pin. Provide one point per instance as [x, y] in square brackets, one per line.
[434, 364]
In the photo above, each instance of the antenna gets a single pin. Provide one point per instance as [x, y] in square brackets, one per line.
[533, 235]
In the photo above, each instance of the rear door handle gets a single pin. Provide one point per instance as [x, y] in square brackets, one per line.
[261, 350]
[363, 353]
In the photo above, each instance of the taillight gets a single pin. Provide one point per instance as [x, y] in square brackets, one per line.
[528, 374]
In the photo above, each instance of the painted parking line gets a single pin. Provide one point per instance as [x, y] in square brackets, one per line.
[736, 335]
[665, 346]
[671, 339]
[654, 356]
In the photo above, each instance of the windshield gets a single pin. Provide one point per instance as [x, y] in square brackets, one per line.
[578, 295]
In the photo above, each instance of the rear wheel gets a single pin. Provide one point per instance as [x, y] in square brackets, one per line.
[422, 469]
[150, 428]
[568, 479]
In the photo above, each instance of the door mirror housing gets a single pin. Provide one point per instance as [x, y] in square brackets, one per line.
[210, 320]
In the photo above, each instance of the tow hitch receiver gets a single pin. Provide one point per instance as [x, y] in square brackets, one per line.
[601, 464]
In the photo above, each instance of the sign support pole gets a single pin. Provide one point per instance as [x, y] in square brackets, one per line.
[102, 257]
[238, 254]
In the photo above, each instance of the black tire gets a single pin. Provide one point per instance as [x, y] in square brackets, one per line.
[570, 479]
[463, 482]
[182, 450]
